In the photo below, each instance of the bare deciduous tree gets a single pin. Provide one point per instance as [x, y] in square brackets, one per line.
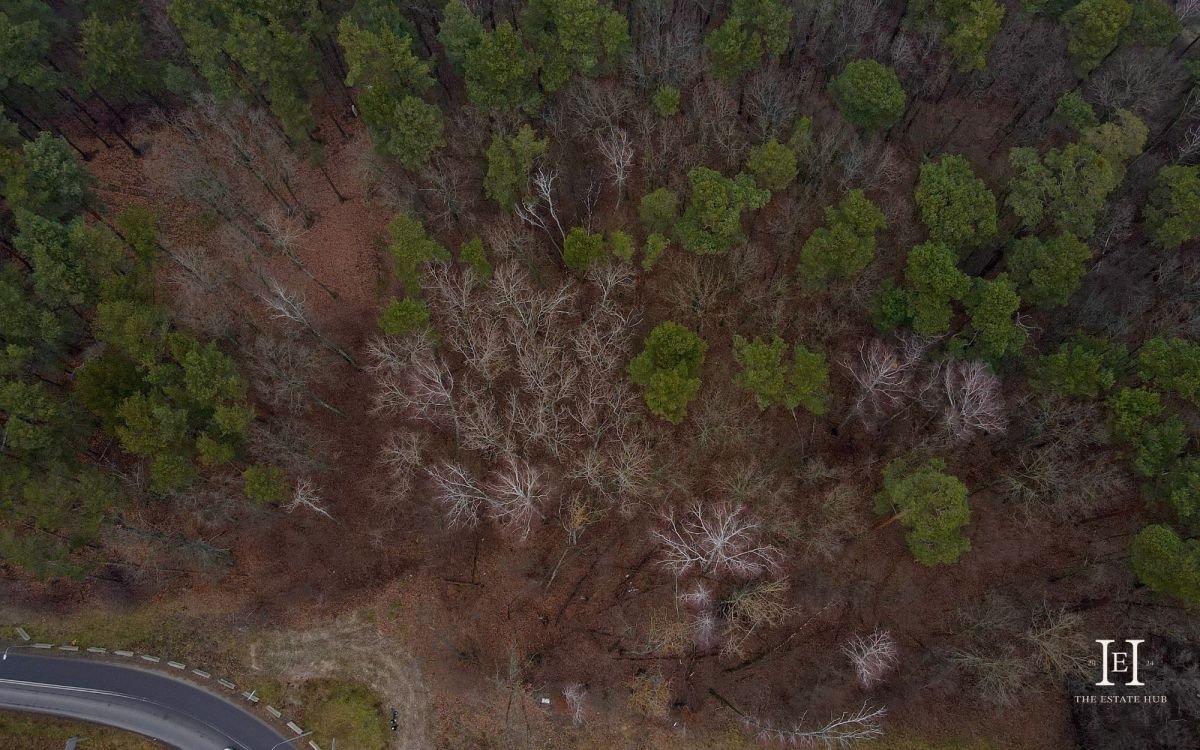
[617, 151]
[1189, 145]
[515, 493]
[706, 630]
[426, 389]
[973, 402]
[841, 731]
[717, 539]
[750, 607]
[873, 656]
[884, 376]
[289, 305]
[286, 369]
[458, 492]
[306, 495]
[524, 305]
[575, 513]
[530, 211]
[1059, 642]
[575, 694]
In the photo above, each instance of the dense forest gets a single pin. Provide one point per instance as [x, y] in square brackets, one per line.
[765, 372]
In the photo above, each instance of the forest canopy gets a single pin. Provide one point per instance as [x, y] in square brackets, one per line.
[682, 353]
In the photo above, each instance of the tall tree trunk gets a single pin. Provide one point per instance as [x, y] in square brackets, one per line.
[132, 148]
[341, 198]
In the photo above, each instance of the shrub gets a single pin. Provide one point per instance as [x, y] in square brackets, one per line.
[669, 370]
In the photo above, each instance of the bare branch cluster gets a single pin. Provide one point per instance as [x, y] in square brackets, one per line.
[751, 607]
[717, 539]
[841, 731]
[973, 402]
[575, 695]
[515, 495]
[307, 495]
[460, 495]
[617, 150]
[873, 655]
[885, 374]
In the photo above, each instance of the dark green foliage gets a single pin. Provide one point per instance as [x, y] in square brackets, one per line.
[582, 249]
[25, 46]
[1152, 24]
[54, 513]
[1132, 411]
[264, 484]
[993, 333]
[574, 37]
[656, 245]
[712, 221]
[659, 210]
[1068, 186]
[474, 255]
[773, 165]
[971, 27]
[1158, 447]
[458, 32]
[932, 507]
[1179, 490]
[869, 94]
[139, 226]
[956, 206]
[669, 370]
[752, 29]
[104, 383]
[803, 381]
[69, 262]
[1168, 564]
[114, 59]
[846, 244]
[402, 316]
[666, 100]
[391, 79]
[1048, 273]
[1048, 7]
[1093, 30]
[1173, 211]
[191, 405]
[1118, 140]
[1073, 111]
[43, 178]
[510, 160]
[934, 282]
[892, 309]
[412, 248]
[1172, 364]
[620, 244]
[501, 72]
[37, 425]
[256, 50]
[1085, 367]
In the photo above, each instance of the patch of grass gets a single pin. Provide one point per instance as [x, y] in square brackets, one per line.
[346, 710]
[37, 733]
[148, 629]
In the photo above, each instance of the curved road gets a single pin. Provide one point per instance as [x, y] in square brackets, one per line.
[175, 712]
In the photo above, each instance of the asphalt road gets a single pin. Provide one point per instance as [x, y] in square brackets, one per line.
[177, 713]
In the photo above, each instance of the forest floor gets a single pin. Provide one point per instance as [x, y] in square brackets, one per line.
[467, 635]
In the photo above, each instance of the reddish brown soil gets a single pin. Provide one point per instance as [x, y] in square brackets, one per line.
[476, 597]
